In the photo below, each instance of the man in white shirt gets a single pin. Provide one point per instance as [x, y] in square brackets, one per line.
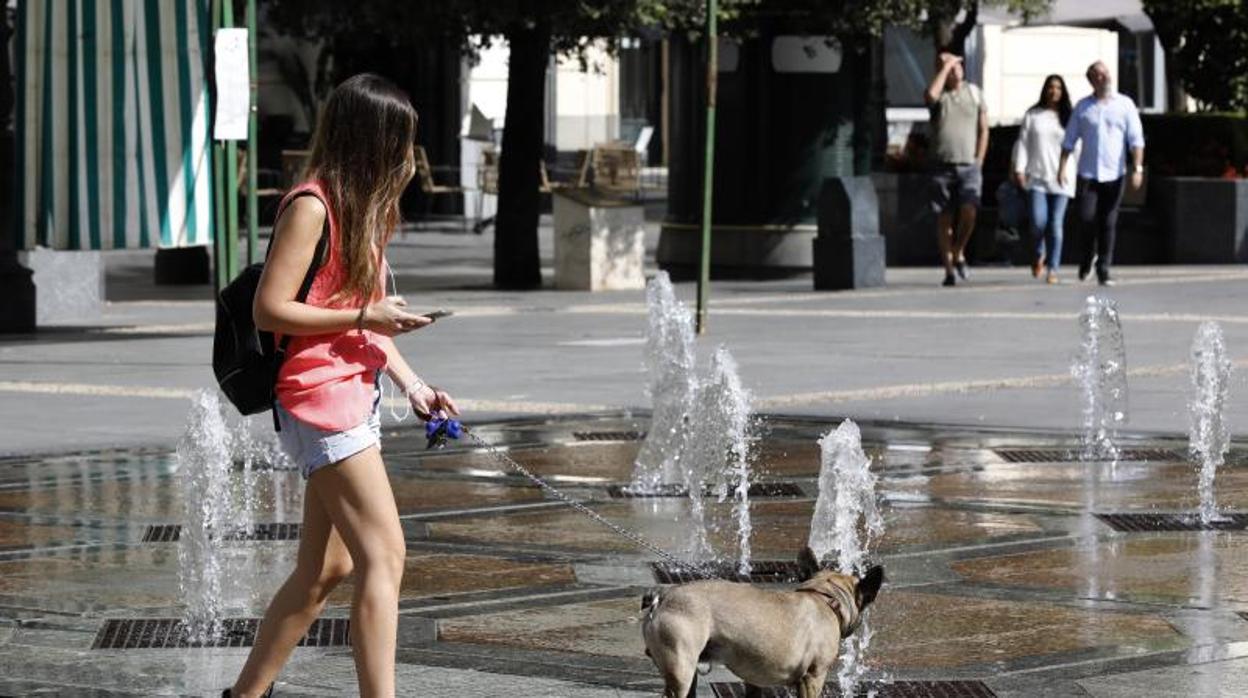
[1108, 124]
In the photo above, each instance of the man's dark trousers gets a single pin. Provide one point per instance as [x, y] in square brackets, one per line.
[1098, 222]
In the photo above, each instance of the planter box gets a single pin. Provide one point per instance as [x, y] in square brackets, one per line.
[599, 242]
[737, 251]
[1206, 219]
[906, 219]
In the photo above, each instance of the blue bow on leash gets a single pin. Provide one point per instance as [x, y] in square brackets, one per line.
[438, 431]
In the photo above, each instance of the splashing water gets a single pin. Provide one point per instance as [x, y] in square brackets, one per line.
[204, 462]
[717, 455]
[670, 364]
[1101, 371]
[1209, 438]
[249, 453]
[846, 521]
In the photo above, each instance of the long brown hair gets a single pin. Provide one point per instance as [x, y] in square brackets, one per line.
[362, 154]
[1063, 103]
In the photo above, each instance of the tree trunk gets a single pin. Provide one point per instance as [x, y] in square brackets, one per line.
[9, 225]
[1176, 95]
[949, 34]
[517, 264]
[1166, 24]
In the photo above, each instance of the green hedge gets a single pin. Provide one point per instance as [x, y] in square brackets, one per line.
[1196, 145]
[1177, 145]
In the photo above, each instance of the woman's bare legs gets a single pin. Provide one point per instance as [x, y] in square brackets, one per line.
[323, 562]
[357, 496]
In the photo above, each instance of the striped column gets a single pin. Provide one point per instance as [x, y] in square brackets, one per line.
[113, 124]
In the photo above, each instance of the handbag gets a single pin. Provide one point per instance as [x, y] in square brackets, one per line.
[1011, 208]
[246, 360]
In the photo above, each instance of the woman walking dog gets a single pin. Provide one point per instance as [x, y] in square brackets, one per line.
[327, 388]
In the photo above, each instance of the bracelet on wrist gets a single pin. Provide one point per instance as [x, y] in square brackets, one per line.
[359, 318]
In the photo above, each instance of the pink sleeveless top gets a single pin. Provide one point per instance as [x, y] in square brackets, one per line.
[328, 380]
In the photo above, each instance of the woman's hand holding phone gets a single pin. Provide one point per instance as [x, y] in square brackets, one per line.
[389, 316]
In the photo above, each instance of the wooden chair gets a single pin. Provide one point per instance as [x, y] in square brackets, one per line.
[294, 162]
[424, 174]
[487, 183]
[428, 186]
[617, 168]
[261, 191]
[581, 181]
[487, 172]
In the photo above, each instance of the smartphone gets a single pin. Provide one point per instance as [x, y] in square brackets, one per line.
[438, 314]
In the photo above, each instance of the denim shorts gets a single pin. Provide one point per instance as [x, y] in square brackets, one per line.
[956, 185]
[312, 448]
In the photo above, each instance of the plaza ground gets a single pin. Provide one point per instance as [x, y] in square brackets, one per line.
[994, 352]
[999, 572]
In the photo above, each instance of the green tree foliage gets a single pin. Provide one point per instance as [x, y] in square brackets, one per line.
[1206, 43]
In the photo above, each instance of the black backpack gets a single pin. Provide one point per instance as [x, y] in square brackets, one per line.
[244, 359]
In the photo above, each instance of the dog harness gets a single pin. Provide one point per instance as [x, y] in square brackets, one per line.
[838, 602]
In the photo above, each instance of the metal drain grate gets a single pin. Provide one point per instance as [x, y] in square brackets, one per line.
[609, 435]
[758, 490]
[761, 572]
[171, 533]
[1058, 455]
[169, 633]
[896, 689]
[1136, 523]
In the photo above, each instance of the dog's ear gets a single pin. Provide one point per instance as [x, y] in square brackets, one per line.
[807, 564]
[869, 586]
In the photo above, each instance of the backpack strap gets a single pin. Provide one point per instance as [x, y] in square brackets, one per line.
[304, 288]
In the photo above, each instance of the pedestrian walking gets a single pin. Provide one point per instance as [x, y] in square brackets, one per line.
[1037, 156]
[959, 128]
[327, 389]
[1108, 125]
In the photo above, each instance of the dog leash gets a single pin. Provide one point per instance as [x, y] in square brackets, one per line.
[439, 431]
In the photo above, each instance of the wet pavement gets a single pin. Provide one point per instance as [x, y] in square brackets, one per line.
[998, 571]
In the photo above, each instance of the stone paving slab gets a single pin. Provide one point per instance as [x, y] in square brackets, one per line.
[1214, 679]
[997, 570]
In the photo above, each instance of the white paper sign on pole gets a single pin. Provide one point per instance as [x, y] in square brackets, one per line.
[233, 85]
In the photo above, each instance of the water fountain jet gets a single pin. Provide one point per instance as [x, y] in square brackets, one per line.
[845, 523]
[670, 364]
[204, 462]
[717, 456]
[1101, 371]
[1209, 438]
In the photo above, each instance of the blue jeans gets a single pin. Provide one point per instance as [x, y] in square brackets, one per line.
[1048, 213]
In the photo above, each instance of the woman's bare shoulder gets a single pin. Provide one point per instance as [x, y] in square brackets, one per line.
[303, 217]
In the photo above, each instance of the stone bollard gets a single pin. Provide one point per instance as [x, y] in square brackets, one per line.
[69, 284]
[849, 250]
[599, 242]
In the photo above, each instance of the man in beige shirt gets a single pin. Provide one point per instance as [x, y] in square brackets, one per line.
[959, 130]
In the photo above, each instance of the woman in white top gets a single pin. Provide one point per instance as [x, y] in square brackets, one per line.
[1037, 155]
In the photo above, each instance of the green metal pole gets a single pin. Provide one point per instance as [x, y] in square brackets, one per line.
[220, 258]
[253, 157]
[708, 175]
[231, 176]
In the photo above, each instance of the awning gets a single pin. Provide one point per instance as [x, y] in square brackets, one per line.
[1107, 14]
[112, 118]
